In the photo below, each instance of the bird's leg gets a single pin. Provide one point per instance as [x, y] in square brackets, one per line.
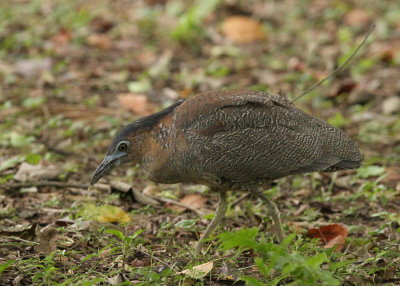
[219, 216]
[272, 208]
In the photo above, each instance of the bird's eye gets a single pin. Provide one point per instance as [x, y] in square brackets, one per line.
[123, 147]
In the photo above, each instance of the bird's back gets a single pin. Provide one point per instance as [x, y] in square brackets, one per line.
[246, 137]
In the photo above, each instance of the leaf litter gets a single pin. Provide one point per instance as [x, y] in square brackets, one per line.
[60, 81]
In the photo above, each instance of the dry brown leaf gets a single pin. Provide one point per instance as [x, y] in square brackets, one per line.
[28, 172]
[101, 25]
[337, 241]
[345, 87]
[137, 103]
[100, 41]
[25, 231]
[29, 68]
[84, 225]
[391, 105]
[199, 271]
[18, 281]
[62, 37]
[241, 29]
[386, 51]
[392, 175]
[357, 17]
[185, 92]
[305, 192]
[332, 234]
[115, 280]
[194, 200]
[296, 227]
[151, 190]
[47, 238]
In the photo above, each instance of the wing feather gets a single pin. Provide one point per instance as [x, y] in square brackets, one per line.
[250, 135]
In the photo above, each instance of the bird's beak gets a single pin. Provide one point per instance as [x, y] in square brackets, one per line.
[110, 162]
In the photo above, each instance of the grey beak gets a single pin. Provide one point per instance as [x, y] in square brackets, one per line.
[109, 163]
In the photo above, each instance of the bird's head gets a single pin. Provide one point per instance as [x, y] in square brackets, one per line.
[121, 150]
[129, 145]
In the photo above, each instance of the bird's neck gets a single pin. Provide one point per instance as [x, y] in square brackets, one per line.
[158, 147]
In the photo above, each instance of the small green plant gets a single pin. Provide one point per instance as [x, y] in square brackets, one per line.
[338, 120]
[5, 265]
[189, 26]
[277, 263]
[128, 242]
[48, 270]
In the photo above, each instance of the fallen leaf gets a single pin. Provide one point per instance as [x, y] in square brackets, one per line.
[137, 103]
[139, 87]
[25, 231]
[28, 172]
[18, 280]
[199, 271]
[357, 17]
[186, 223]
[101, 25]
[224, 273]
[241, 29]
[47, 238]
[305, 192]
[338, 241]
[296, 227]
[294, 63]
[186, 92]
[345, 87]
[391, 105]
[370, 171]
[386, 51]
[151, 190]
[62, 37]
[29, 68]
[65, 241]
[10, 162]
[333, 234]
[194, 200]
[112, 214]
[100, 41]
[161, 66]
[360, 96]
[84, 225]
[115, 280]
[392, 176]
[104, 213]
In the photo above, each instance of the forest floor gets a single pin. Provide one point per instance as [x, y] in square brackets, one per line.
[72, 73]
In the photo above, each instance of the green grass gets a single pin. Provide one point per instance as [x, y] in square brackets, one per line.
[38, 126]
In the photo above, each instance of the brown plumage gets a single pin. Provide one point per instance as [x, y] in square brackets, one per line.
[231, 140]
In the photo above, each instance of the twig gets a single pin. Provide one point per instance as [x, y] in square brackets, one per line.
[339, 68]
[19, 239]
[169, 201]
[155, 258]
[241, 198]
[390, 280]
[149, 200]
[43, 184]
[144, 199]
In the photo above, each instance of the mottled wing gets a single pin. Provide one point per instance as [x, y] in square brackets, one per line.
[256, 136]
